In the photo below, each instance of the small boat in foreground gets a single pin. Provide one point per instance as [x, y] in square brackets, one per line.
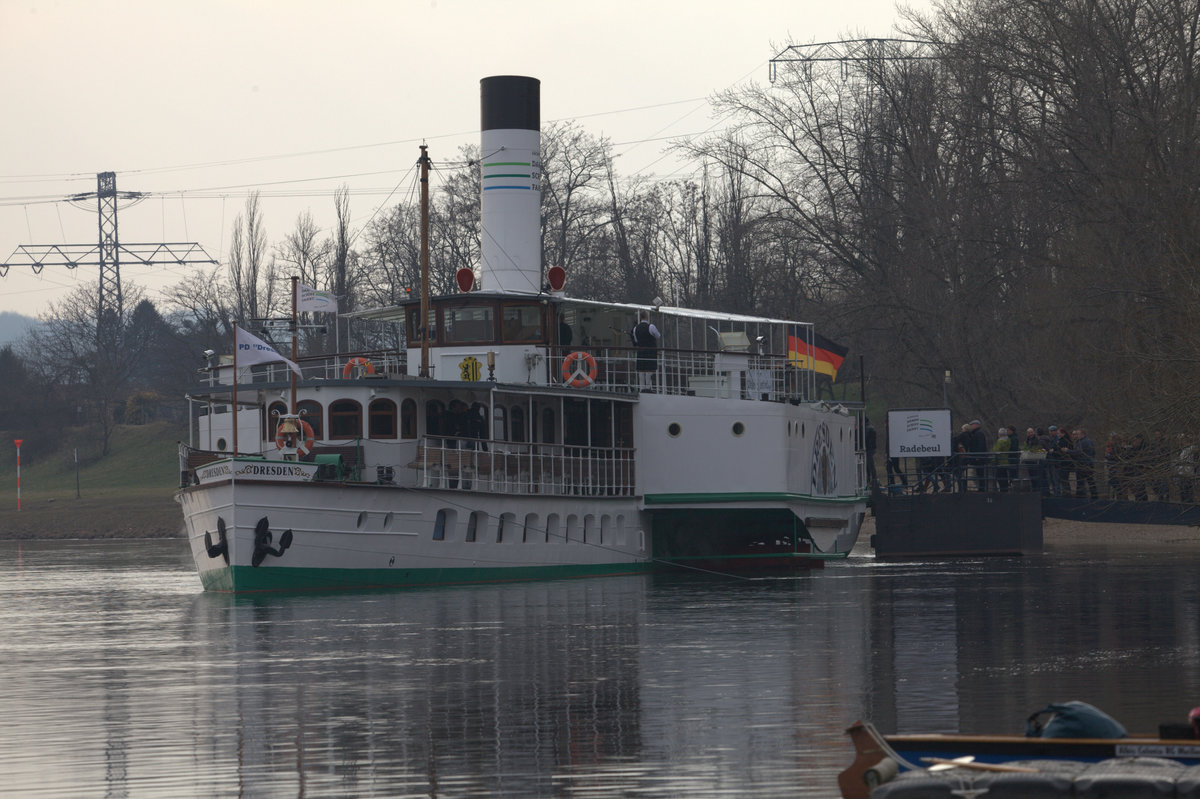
[929, 765]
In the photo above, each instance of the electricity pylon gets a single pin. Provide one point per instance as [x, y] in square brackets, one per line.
[106, 254]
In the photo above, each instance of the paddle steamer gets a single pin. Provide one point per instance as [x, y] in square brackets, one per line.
[517, 433]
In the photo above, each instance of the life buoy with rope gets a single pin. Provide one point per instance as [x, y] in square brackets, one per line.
[305, 441]
[579, 369]
[363, 363]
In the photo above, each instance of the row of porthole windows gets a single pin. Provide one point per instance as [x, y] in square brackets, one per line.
[674, 429]
[605, 529]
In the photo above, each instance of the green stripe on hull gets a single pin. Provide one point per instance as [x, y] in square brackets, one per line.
[748, 496]
[281, 578]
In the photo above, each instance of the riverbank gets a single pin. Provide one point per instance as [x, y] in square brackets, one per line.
[129, 514]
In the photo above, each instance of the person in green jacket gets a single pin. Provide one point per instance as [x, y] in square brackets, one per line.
[1003, 459]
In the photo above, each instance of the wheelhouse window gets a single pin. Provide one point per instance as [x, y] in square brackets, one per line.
[414, 326]
[469, 324]
[408, 418]
[521, 324]
[382, 418]
[311, 412]
[345, 419]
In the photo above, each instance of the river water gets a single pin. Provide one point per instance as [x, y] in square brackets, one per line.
[121, 678]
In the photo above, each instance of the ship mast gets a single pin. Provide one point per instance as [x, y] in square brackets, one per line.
[424, 263]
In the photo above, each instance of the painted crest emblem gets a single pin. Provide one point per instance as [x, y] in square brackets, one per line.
[824, 465]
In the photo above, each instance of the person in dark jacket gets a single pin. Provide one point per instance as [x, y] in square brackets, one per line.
[645, 338]
[977, 447]
[870, 444]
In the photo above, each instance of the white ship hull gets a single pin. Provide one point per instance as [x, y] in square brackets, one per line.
[352, 536]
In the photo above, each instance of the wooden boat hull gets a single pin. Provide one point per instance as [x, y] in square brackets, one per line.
[1124, 763]
[1006, 748]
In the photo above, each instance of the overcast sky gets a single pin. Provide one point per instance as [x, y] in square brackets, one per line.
[199, 102]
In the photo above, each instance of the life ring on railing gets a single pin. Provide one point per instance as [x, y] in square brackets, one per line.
[363, 363]
[304, 443]
[579, 369]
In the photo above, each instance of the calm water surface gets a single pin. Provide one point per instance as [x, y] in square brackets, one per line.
[121, 678]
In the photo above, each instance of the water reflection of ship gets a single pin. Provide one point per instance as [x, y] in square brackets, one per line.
[521, 689]
[427, 686]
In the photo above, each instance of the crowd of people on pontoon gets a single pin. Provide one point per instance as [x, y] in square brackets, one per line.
[1054, 460]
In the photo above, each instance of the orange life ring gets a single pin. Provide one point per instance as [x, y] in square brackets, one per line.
[304, 445]
[579, 369]
[353, 362]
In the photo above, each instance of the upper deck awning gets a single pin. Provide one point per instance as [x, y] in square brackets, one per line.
[396, 313]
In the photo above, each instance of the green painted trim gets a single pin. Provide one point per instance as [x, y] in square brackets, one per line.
[507, 163]
[748, 496]
[281, 578]
[506, 175]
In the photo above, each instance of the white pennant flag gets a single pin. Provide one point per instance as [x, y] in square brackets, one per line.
[252, 350]
[309, 299]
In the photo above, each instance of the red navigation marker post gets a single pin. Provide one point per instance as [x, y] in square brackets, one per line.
[18, 443]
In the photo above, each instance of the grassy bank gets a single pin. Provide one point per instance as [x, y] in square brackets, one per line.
[127, 494]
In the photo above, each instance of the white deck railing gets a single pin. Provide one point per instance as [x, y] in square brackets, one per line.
[504, 467]
[699, 373]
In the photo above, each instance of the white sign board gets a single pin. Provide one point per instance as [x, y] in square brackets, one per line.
[274, 471]
[920, 433]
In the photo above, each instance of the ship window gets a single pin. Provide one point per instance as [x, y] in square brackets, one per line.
[345, 419]
[473, 525]
[498, 422]
[310, 411]
[517, 415]
[471, 324]
[408, 418]
[530, 527]
[439, 526]
[382, 418]
[273, 413]
[414, 326]
[673, 429]
[521, 323]
[623, 422]
[221, 445]
[435, 418]
[589, 529]
[738, 428]
[505, 522]
[552, 528]
[548, 426]
[605, 529]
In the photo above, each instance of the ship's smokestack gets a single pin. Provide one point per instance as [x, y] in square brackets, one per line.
[511, 174]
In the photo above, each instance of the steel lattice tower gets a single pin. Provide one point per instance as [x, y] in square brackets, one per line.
[107, 255]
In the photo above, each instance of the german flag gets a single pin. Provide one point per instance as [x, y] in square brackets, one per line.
[823, 357]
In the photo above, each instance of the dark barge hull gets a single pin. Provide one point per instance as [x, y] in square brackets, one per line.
[957, 524]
